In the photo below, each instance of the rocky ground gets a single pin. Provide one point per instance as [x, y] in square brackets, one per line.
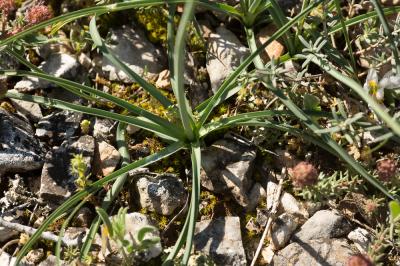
[242, 180]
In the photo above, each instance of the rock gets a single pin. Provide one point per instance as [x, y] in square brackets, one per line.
[59, 126]
[103, 129]
[58, 65]
[267, 255]
[28, 109]
[288, 203]
[256, 194]
[84, 217]
[56, 182]
[108, 158]
[163, 80]
[323, 224]
[275, 49]
[227, 167]
[5, 232]
[34, 256]
[51, 260]
[19, 149]
[221, 239]
[224, 54]
[160, 193]
[133, 49]
[361, 239]
[133, 223]
[316, 252]
[282, 230]
[6, 259]
[85, 61]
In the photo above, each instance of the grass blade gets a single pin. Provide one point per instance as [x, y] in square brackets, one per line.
[113, 192]
[178, 71]
[136, 121]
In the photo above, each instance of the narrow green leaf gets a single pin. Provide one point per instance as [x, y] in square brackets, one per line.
[106, 221]
[394, 207]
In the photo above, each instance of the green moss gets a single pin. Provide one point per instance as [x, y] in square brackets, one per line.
[211, 200]
[154, 20]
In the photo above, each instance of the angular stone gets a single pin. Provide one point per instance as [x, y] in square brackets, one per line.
[273, 50]
[103, 129]
[288, 203]
[108, 158]
[227, 166]
[57, 183]
[160, 193]
[361, 239]
[316, 252]
[19, 149]
[323, 224]
[221, 239]
[28, 109]
[132, 48]
[282, 230]
[58, 65]
[224, 54]
[59, 126]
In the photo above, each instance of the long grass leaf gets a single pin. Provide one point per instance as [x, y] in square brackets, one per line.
[136, 121]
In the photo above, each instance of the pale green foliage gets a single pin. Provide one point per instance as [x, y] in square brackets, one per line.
[79, 169]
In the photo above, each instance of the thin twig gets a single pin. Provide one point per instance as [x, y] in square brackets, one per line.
[45, 235]
[270, 218]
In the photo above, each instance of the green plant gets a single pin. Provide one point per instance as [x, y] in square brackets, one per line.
[188, 127]
[80, 171]
[115, 229]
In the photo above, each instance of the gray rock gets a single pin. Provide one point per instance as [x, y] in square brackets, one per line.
[221, 239]
[6, 260]
[28, 109]
[361, 239]
[7, 61]
[227, 168]
[19, 149]
[256, 194]
[224, 54]
[56, 182]
[132, 47]
[288, 203]
[160, 193]
[103, 129]
[317, 252]
[58, 65]
[323, 224]
[59, 126]
[133, 223]
[282, 230]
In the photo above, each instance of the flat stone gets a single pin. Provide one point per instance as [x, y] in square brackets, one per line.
[224, 54]
[7, 233]
[288, 203]
[361, 239]
[20, 151]
[316, 252]
[102, 129]
[28, 109]
[221, 239]
[227, 167]
[282, 230]
[59, 126]
[108, 158]
[323, 224]
[57, 183]
[160, 193]
[58, 65]
[132, 48]
[133, 223]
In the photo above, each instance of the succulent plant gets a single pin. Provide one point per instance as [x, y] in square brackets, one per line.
[304, 174]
